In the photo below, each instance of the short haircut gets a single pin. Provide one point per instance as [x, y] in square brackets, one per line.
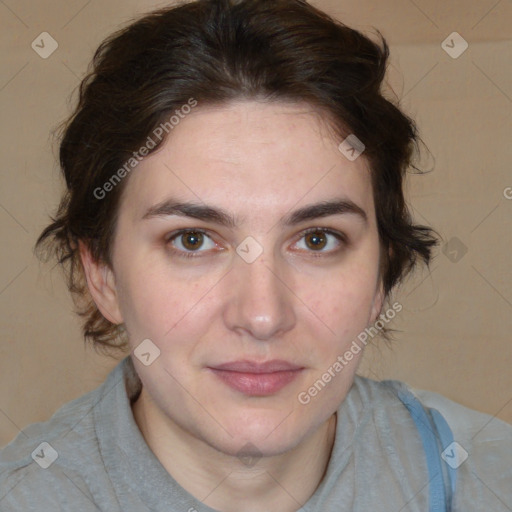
[218, 51]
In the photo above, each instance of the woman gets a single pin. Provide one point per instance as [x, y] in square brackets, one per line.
[234, 216]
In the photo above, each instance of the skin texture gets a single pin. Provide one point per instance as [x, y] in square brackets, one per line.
[297, 302]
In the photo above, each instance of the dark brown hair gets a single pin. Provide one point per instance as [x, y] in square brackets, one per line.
[216, 51]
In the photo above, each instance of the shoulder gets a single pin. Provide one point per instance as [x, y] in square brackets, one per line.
[38, 462]
[481, 454]
[54, 459]
[482, 449]
[467, 424]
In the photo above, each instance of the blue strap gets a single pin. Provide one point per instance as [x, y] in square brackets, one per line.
[446, 438]
[430, 431]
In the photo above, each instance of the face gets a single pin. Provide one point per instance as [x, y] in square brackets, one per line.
[247, 251]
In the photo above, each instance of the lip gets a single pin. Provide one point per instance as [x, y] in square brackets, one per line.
[257, 379]
[247, 366]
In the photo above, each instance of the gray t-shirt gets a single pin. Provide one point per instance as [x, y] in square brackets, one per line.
[377, 463]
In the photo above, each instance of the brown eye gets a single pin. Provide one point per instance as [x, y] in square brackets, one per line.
[323, 241]
[316, 240]
[191, 243]
[192, 240]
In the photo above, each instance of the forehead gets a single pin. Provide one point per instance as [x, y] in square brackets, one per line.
[250, 157]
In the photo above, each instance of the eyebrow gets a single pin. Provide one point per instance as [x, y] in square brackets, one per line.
[219, 216]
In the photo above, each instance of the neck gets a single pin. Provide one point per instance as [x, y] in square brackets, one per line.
[223, 482]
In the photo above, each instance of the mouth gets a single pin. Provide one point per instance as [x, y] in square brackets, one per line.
[257, 379]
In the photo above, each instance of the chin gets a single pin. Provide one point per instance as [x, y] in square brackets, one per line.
[263, 436]
[255, 447]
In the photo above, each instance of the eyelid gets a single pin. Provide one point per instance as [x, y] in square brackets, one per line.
[341, 237]
[175, 234]
[187, 254]
[330, 231]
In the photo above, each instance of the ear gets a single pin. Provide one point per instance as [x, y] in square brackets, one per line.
[101, 284]
[378, 301]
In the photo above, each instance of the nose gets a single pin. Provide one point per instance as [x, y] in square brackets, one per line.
[260, 303]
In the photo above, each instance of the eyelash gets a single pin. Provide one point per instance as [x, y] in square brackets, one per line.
[341, 237]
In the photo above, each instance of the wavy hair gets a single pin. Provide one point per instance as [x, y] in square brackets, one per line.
[217, 51]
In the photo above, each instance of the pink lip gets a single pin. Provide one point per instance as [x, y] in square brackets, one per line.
[257, 379]
[246, 366]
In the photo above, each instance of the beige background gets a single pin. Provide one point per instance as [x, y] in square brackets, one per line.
[455, 327]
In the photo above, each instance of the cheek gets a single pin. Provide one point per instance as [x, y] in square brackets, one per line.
[143, 296]
[159, 305]
[341, 310]
[344, 317]
[344, 302]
